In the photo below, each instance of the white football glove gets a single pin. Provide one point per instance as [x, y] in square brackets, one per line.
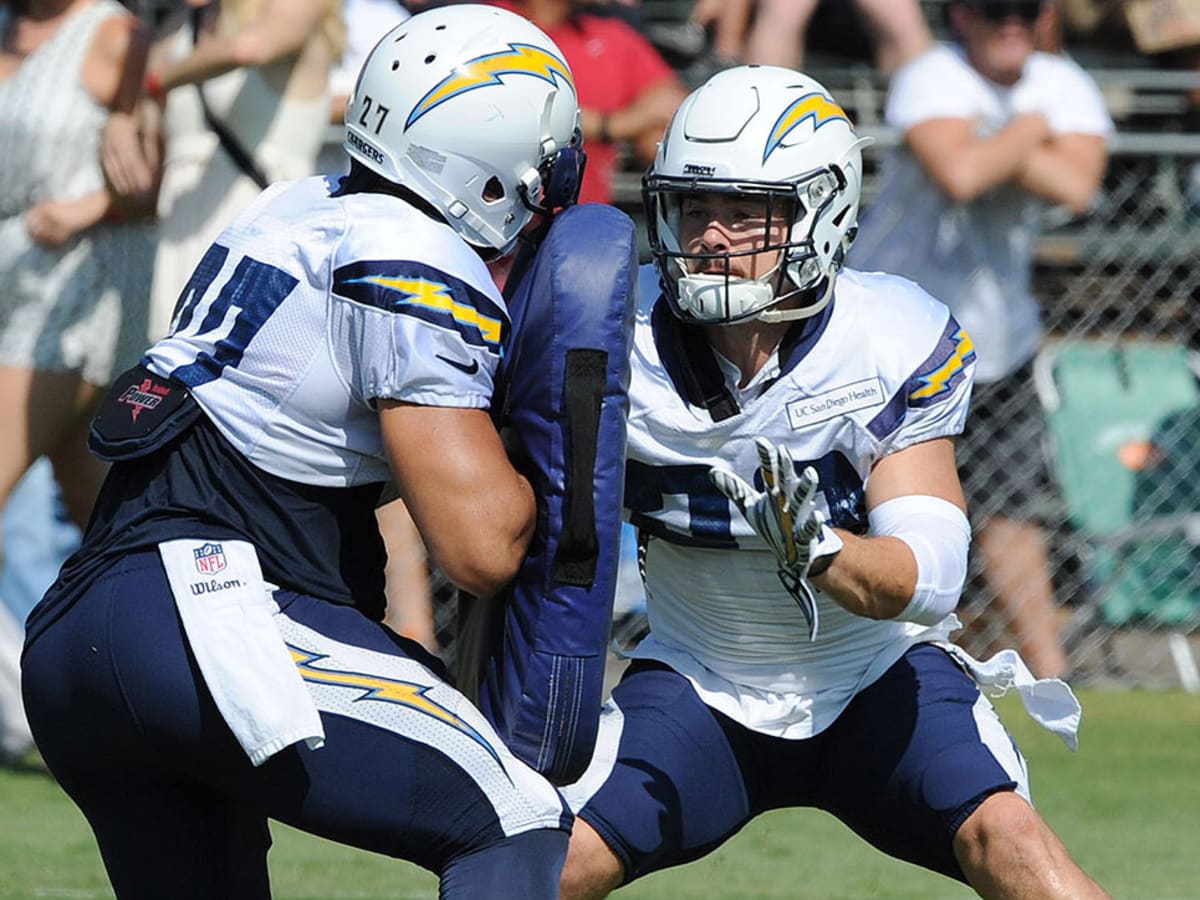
[786, 517]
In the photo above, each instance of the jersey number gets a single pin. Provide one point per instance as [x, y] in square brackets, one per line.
[255, 290]
[710, 513]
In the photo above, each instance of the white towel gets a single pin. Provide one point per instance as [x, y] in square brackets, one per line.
[229, 614]
[1049, 701]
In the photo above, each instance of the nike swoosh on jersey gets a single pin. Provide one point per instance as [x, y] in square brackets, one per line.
[470, 369]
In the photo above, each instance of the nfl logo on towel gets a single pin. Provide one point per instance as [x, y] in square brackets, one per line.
[210, 559]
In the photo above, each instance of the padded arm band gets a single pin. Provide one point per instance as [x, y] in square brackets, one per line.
[938, 534]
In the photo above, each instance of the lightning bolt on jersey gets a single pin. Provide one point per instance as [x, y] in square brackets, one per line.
[883, 367]
[309, 308]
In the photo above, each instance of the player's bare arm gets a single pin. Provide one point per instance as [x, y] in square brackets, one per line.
[474, 510]
[876, 576]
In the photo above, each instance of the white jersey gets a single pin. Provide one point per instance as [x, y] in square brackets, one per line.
[884, 367]
[309, 308]
[977, 257]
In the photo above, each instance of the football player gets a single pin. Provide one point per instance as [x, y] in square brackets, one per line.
[791, 473]
[220, 623]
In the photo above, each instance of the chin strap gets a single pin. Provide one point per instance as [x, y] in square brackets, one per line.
[823, 292]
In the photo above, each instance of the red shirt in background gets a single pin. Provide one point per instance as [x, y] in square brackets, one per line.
[612, 64]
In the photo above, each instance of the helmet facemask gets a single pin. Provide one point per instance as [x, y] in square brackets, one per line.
[776, 137]
[706, 286]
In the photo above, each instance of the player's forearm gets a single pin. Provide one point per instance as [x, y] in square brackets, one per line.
[874, 577]
[492, 541]
[474, 511]
[914, 564]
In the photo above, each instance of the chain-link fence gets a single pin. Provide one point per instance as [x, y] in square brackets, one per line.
[1115, 547]
[1109, 565]
[1116, 387]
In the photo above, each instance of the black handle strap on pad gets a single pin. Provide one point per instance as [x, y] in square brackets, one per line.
[583, 393]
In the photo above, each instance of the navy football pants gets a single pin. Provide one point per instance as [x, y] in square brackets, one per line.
[127, 726]
[904, 765]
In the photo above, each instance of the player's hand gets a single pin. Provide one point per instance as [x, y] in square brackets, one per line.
[786, 517]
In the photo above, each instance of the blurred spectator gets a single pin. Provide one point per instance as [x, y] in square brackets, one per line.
[994, 132]
[1165, 32]
[72, 275]
[15, 737]
[38, 537]
[246, 88]
[627, 92]
[366, 22]
[775, 32]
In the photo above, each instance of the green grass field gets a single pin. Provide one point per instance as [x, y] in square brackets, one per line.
[1127, 805]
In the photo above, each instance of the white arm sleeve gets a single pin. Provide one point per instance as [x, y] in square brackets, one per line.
[938, 534]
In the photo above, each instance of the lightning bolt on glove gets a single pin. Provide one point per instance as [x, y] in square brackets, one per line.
[786, 517]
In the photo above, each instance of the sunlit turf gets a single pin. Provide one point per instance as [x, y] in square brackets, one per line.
[1127, 806]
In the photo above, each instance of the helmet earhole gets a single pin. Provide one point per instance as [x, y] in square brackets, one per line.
[430, 58]
[493, 190]
[395, 64]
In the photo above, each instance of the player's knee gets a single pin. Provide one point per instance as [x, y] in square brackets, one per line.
[520, 867]
[592, 870]
[1003, 825]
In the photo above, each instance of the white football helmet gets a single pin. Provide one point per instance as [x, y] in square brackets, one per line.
[472, 108]
[757, 132]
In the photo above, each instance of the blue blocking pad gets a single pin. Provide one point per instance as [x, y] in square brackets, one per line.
[533, 656]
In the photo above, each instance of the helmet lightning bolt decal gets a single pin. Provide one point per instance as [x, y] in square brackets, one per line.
[519, 59]
[813, 106]
[386, 690]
